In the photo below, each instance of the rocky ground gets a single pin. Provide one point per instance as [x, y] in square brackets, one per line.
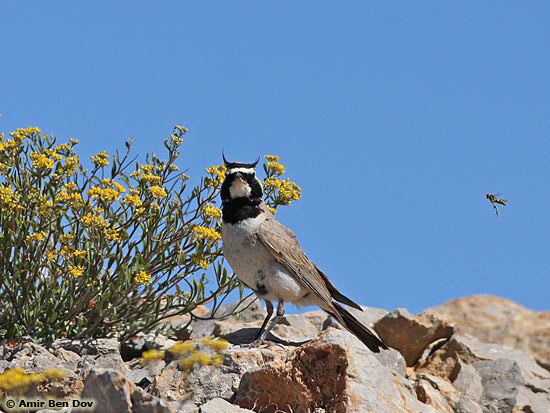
[475, 354]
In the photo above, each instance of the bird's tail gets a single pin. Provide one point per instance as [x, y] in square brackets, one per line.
[358, 329]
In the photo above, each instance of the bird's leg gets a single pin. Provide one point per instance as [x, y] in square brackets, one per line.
[269, 308]
[276, 319]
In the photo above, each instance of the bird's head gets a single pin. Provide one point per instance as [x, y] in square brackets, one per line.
[241, 181]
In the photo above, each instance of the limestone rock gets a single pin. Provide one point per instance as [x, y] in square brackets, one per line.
[353, 380]
[410, 334]
[428, 393]
[491, 376]
[101, 352]
[220, 405]
[114, 393]
[207, 382]
[498, 320]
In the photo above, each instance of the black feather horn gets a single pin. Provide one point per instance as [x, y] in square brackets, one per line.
[256, 163]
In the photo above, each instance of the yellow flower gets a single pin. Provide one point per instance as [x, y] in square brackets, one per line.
[133, 200]
[66, 238]
[210, 211]
[276, 168]
[51, 254]
[74, 141]
[272, 183]
[37, 236]
[182, 347]
[208, 233]
[148, 177]
[50, 153]
[272, 210]
[202, 358]
[94, 220]
[71, 186]
[6, 195]
[13, 380]
[201, 262]
[151, 355]
[54, 374]
[142, 278]
[119, 187]
[217, 344]
[76, 270]
[78, 253]
[41, 161]
[100, 159]
[147, 167]
[187, 363]
[176, 140]
[62, 147]
[288, 192]
[217, 173]
[71, 163]
[218, 359]
[22, 133]
[74, 199]
[158, 192]
[112, 235]
[272, 158]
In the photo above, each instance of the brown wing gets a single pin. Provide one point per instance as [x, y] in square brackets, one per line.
[285, 248]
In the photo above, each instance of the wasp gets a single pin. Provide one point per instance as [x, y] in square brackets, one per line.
[494, 200]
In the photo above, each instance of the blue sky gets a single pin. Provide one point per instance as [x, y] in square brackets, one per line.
[394, 117]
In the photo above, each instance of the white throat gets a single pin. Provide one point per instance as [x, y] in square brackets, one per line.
[242, 170]
[239, 188]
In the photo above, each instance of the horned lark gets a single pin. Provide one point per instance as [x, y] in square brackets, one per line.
[268, 259]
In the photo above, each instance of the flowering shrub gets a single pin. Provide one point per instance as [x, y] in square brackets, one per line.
[111, 249]
[207, 351]
[16, 381]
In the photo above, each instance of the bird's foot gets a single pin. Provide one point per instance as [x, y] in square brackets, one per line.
[255, 344]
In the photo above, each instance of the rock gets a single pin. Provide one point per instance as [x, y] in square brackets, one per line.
[34, 358]
[317, 318]
[245, 333]
[498, 320]
[443, 387]
[300, 323]
[410, 334]
[468, 382]
[491, 376]
[101, 352]
[220, 405]
[207, 382]
[183, 406]
[352, 380]
[114, 393]
[392, 359]
[428, 393]
[110, 389]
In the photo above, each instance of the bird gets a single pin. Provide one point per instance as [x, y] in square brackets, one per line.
[268, 259]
